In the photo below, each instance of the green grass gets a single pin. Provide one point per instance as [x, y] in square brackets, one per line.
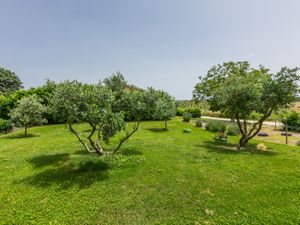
[158, 177]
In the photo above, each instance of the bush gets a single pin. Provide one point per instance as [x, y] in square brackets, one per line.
[215, 126]
[198, 123]
[180, 111]
[186, 130]
[221, 137]
[292, 120]
[196, 112]
[261, 147]
[233, 131]
[213, 114]
[6, 126]
[186, 117]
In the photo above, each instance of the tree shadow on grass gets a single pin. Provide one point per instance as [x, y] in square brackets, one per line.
[67, 176]
[157, 130]
[20, 136]
[129, 152]
[48, 160]
[228, 148]
[65, 173]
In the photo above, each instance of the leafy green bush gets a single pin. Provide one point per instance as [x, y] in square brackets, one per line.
[233, 131]
[187, 130]
[180, 111]
[196, 112]
[5, 126]
[186, 117]
[292, 120]
[215, 126]
[8, 102]
[213, 114]
[198, 123]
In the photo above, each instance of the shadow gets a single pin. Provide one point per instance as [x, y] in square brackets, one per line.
[87, 131]
[82, 152]
[47, 160]
[128, 152]
[157, 130]
[19, 136]
[229, 148]
[67, 176]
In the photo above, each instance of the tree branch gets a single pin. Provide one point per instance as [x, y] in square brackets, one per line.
[128, 135]
[79, 138]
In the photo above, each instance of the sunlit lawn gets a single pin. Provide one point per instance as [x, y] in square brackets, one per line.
[158, 177]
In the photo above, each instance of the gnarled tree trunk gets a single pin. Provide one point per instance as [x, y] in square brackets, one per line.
[255, 129]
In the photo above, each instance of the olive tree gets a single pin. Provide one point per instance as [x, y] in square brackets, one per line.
[77, 102]
[237, 89]
[165, 107]
[9, 81]
[28, 111]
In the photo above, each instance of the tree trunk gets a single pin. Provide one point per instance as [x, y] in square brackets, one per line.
[166, 125]
[79, 138]
[242, 143]
[26, 127]
[99, 148]
[247, 135]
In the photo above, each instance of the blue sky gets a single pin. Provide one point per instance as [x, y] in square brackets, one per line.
[166, 44]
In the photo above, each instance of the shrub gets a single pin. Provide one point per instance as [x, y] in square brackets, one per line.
[186, 117]
[6, 126]
[221, 137]
[180, 111]
[233, 131]
[261, 147]
[215, 126]
[198, 123]
[213, 114]
[186, 130]
[292, 120]
[196, 112]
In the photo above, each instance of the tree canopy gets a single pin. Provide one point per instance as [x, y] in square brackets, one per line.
[9, 82]
[29, 111]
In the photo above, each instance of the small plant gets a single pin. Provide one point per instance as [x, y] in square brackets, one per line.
[221, 136]
[196, 112]
[233, 131]
[215, 126]
[6, 126]
[187, 130]
[180, 111]
[186, 117]
[198, 123]
[261, 147]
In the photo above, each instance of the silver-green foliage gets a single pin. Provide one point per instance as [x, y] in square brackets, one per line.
[77, 102]
[29, 111]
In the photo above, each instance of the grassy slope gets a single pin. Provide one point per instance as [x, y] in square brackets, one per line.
[158, 177]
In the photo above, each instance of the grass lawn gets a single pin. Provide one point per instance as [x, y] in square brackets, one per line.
[158, 177]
